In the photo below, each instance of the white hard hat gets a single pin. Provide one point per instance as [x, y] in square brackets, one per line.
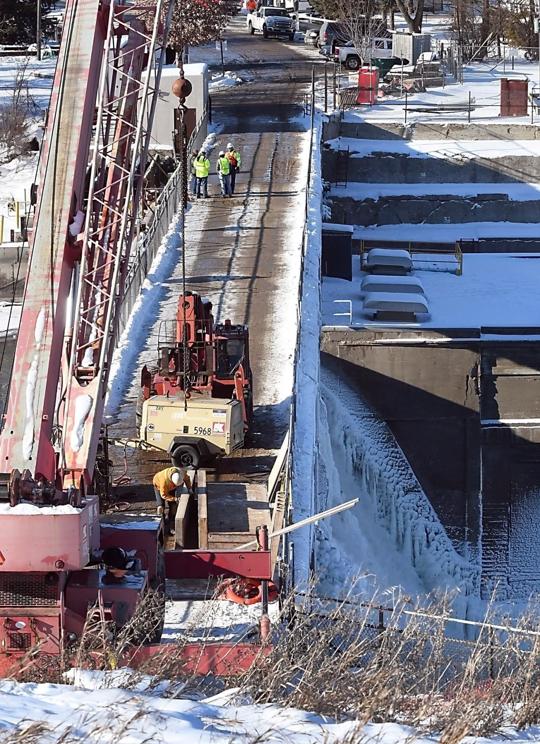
[221, 153]
[175, 477]
[230, 146]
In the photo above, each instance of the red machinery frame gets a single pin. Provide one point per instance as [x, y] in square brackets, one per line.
[194, 356]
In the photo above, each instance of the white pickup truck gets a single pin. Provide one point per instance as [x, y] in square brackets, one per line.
[271, 21]
[347, 55]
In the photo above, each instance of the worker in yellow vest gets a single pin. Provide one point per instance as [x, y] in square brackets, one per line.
[165, 484]
[202, 171]
[223, 168]
[233, 156]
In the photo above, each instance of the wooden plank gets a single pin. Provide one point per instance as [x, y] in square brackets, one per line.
[278, 467]
[202, 509]
[182, 518]
[237, 507]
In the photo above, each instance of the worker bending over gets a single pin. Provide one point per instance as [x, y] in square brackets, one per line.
[165, 484]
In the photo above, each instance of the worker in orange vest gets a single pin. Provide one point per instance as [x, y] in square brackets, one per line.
[165, 484]
[251, 6]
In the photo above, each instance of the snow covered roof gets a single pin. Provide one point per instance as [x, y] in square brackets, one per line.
[494, 291]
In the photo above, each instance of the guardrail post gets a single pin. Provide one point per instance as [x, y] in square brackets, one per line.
[312, 95]
[491, 654]
[325, 85]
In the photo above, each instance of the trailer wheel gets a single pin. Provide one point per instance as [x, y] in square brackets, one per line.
[265, 32]
[251, 29]
[352, 63]
[186, 456]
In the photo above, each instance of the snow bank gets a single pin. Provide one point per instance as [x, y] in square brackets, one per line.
[460, 150]
[228, 80]
[26, 509]
[306, 384]
[397, 502]
[99, 710]
[361, 191]
[142, 316]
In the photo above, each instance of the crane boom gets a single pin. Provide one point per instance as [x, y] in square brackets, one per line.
[84, 227]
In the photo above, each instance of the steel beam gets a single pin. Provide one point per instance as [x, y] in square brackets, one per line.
[202, 564]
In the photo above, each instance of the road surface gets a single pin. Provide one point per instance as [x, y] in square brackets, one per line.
[243, 253]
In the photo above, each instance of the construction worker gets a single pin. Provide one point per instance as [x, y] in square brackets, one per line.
[251, 6]
[233, 156]
[193, 178]
[165, 484]
[223, 168]
[202, 171]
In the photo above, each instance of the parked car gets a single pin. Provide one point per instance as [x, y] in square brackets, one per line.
[332, 34]
[305, 20]
[271, 21]
[311, 34]
[347, 55]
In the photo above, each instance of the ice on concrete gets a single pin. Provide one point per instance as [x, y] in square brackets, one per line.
[213, 619]
[306, 382]
[393, 537]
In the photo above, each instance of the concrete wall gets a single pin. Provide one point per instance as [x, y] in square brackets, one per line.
[394, 210]
[399, 168]
[453, 409]
[429, 131]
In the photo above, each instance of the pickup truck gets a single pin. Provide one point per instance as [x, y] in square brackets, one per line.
[347, 55]
[271, 21]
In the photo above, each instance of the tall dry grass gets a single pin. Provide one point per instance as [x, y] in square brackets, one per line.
[336, 659]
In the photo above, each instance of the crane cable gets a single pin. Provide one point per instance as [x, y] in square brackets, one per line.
[183, 236]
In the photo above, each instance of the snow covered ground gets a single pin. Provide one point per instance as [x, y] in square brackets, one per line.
[460, 150]
[98, 709]
[493, 290]
[481, 81]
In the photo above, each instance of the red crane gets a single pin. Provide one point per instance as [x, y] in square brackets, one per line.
[54, 568]
[93, 155]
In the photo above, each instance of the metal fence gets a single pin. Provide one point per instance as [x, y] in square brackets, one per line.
[156, 227]
[502, 646]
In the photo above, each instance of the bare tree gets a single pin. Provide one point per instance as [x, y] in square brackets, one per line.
[413, 13]
[14, 116]
[198, 22]
[363, 22]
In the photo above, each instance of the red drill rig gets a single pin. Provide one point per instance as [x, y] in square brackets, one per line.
[202, 381]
